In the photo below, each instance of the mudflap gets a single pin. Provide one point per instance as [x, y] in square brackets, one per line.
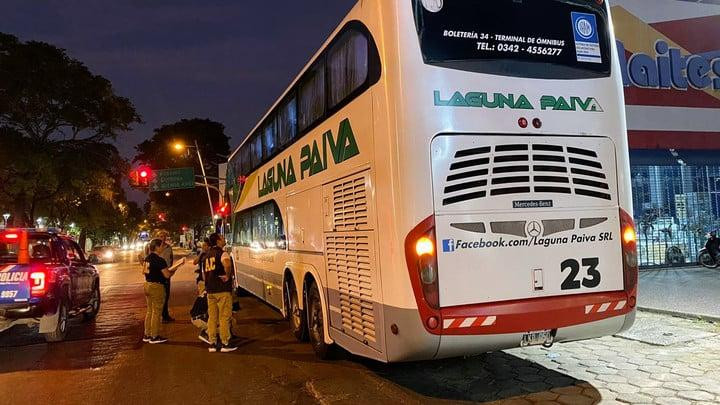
[6, 324]
[48, 323]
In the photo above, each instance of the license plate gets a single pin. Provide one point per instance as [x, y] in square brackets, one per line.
[14, 292]
[537, 338]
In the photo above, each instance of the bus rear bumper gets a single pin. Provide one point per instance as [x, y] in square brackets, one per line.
[465, 345]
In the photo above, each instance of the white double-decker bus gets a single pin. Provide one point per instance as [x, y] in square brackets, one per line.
[444, 178]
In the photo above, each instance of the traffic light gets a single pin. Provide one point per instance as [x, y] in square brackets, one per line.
[141, 176]
[223, 210]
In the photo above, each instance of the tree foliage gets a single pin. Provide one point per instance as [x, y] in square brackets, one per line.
[185, 207]
[57, 120]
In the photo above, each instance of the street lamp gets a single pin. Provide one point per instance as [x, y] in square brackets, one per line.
[179, 146]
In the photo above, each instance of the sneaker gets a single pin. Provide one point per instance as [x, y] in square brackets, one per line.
[213, 349]
[158, 339]
[228, 348]
[204, 337]
[146, 338]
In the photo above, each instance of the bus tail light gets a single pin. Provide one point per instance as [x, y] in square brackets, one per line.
[629, 253]
[421, 259]
[427, 268]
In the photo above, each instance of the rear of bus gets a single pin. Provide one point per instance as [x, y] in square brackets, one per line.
[514, 110]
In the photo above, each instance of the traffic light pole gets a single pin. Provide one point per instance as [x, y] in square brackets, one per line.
[207, 186]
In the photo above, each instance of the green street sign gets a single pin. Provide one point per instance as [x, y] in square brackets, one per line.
[173, 179]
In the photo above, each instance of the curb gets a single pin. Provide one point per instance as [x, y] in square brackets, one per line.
[708, 318]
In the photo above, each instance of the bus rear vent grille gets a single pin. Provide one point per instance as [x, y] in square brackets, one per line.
[350, 208]
[349, 256]
[524, 168]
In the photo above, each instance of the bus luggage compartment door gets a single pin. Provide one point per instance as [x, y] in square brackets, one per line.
[522, 217]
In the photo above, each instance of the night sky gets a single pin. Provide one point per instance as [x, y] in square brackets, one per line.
[224, 60]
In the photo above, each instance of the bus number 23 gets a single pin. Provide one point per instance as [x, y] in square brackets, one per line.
[593, 275]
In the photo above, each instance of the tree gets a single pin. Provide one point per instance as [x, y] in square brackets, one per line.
[184, 207]
[56, 122]
[48, 96]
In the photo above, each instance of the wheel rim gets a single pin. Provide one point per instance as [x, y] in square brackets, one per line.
[295, 314]
[293, 309]
[63, 319]
[705, 259]
[95, 300]
[316, 323]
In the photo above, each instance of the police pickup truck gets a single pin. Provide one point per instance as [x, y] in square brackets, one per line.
[45, 280]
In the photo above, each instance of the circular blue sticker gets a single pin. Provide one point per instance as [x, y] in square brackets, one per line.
[584, 27]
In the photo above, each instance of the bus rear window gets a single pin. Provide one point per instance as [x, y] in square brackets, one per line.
[549, 39]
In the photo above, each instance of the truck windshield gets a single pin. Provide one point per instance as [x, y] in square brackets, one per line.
[550, 39]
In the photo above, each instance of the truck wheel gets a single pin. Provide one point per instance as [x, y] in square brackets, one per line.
[316, 323]
[94, 305]
[58, 335]
[296, 316]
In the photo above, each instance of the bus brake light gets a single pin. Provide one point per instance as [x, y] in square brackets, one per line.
[424, 246]
[629, 253]
[629, 235]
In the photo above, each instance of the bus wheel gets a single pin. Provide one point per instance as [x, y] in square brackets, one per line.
[316, 322]
[295, 315]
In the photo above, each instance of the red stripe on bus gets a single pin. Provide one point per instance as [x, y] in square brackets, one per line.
[670, 98]
[674, 140]
[527, 315]
[696, 35]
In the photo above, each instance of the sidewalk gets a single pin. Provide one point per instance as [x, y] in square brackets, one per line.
[689, 291]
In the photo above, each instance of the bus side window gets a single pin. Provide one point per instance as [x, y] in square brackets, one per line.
[279, 228]
[246, 229]
[258, 228]
[245, 160]
[256, 151]
[311, 96]
[287, 122]
[269, 135]
[347, 66]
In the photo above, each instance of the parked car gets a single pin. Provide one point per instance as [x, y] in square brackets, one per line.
[45, 280]
[103, 254]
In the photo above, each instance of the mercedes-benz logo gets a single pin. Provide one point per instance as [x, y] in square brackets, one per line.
[534, 228]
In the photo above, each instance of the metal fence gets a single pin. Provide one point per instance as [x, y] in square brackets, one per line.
[674, 208]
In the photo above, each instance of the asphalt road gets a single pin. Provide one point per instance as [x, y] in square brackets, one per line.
[106, 362]
[686, 290]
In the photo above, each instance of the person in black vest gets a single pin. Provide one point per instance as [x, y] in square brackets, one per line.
[218, 283]
[156, 273]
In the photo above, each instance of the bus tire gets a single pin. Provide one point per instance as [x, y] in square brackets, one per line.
[316, 322]
[295, 315]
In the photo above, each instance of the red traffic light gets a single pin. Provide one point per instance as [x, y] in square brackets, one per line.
[141, 176]
[223, 210]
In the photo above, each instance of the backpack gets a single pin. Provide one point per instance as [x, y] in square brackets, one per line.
[199, 312]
